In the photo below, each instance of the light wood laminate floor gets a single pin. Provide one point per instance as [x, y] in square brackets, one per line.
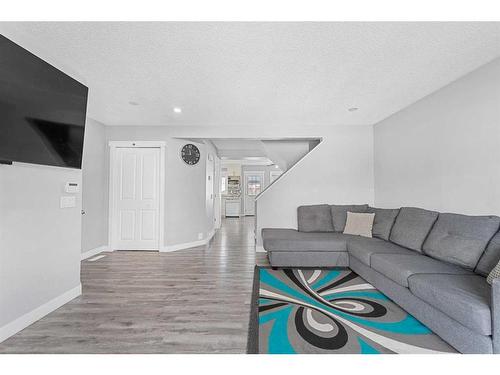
[190, 301]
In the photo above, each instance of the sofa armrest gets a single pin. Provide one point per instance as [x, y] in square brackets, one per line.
[495, 314]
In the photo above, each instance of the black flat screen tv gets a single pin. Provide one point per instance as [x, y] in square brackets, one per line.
[42, 110]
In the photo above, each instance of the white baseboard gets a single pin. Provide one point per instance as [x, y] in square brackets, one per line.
[31, 317]
[187, 245]
[93, 252]
[210, 235]
[260, 249]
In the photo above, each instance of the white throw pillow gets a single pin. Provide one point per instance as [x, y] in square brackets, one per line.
[494, 274]
[359, 224]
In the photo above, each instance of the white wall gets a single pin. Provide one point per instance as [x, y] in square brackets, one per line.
[39, 243]
[94, 187]
[339, 170]
[443, 152]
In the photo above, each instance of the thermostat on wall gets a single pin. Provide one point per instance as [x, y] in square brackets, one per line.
[71, 187]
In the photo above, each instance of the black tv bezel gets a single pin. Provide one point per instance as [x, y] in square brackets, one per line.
[9, 161]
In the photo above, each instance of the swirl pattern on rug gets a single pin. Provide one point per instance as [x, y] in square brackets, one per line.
[335, 311]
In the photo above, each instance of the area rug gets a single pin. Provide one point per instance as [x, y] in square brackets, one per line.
[331, 311]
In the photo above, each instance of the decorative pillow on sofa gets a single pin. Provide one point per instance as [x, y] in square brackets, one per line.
[359, 224]
[460, 239]
[412, 227]
[494, 274]
[384, 220]
[316, 218]
[339, 214]
[490, 257]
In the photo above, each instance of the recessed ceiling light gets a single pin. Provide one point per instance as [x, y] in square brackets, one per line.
[353, 109]
[177, 110]
[133, 103]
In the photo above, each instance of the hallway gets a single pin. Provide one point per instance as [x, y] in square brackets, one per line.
[190, 301]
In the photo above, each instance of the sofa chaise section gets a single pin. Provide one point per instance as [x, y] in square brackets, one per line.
[291, 248]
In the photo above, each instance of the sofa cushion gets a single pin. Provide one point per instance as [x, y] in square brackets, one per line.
[490, 257]
[339, 214]
[293, 240]
[308, 258]
[359, 224]
[460, 239]
[383, 222]
[317, 218]
[399, 267]
[465, 298]
[363, 248]
[412, 227]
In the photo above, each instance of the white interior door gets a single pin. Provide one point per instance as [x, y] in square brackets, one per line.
[210, 191]
[217, 194]
[136, 188]
[253, 185]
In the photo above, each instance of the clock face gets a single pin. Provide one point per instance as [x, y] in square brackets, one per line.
[190, 154]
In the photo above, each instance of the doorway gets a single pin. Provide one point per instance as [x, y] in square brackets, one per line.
[137, 183]
[253, 184]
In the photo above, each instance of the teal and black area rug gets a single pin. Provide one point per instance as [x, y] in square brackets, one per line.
[331, 311]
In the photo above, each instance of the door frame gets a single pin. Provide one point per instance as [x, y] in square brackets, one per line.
[113, 147]
[261, 173]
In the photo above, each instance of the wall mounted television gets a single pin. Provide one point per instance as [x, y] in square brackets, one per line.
[42, 110]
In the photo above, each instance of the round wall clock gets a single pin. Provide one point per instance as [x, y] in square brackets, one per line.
[190, 154]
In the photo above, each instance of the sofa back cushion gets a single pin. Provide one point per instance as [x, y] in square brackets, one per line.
[460, 239]
[339, 214]
[383, 222]
[317, 218]
[490, 257]
[412, 227]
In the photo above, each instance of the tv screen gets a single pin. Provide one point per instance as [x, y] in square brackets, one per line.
[42, 110]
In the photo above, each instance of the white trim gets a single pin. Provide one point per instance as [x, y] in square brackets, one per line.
[31, 317]
[260, 249]
[245, 173]
[152, 144]
[112, 154]
[188, 245]
[92, 252]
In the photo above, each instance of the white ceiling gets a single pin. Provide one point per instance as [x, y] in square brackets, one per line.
[258, 74]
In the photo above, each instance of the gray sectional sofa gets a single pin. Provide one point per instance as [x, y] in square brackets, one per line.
[434, 265]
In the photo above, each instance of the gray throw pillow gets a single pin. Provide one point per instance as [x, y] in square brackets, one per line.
[384, 220]
[412, 227]
[316, 218]
[339, 214]
[460, 239]
[494, 274]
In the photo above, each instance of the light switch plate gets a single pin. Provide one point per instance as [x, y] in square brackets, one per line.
[68, 202]
[71, 187]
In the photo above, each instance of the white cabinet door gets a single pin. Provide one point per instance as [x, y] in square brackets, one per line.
[136, 194]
